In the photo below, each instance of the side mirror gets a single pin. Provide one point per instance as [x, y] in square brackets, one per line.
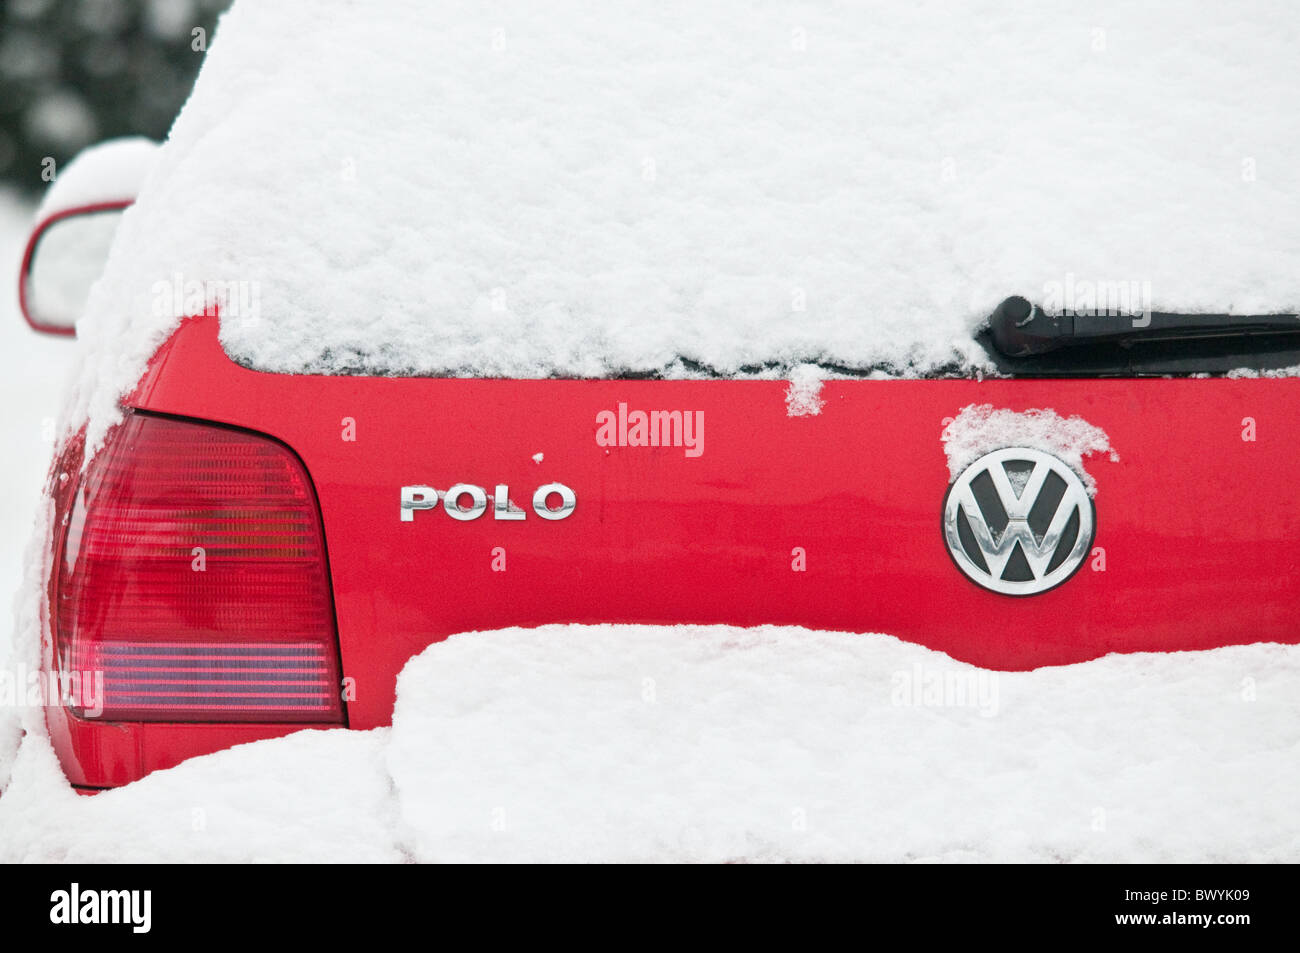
[65, 256]
[76, 222]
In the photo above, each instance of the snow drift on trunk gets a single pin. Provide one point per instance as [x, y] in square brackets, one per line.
[716, 743]
[981, 428]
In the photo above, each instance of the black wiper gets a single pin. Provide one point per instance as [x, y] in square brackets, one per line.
[1021, 329]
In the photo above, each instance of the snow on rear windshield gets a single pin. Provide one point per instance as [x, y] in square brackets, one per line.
[535, 189]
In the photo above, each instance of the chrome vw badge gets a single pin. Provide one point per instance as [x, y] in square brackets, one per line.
[1018, 521]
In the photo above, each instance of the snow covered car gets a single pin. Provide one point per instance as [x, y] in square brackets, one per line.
[701, 315]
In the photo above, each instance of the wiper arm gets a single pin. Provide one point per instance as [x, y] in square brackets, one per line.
[1022, 329]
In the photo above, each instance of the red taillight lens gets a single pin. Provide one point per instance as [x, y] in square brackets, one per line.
[194, 579]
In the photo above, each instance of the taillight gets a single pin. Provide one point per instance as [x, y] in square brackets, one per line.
[194, 579]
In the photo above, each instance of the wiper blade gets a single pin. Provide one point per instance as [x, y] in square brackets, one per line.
[1020, 328]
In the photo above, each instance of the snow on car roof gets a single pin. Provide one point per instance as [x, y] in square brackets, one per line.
[524, 189]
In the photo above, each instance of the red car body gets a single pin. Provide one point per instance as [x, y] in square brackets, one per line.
[1197, 542]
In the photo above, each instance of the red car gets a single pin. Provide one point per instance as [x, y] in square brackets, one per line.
[257, 546]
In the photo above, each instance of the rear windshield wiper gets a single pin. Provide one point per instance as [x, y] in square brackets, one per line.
[1020, 328]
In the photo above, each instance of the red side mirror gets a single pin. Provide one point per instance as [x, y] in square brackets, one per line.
[64, 257]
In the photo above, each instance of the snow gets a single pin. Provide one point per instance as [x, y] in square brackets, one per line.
[33, 385]
[566, 189]
[67, 262]
[711, 743]
[251, 804]
[980, 428]
[803, 396]
[109, 171]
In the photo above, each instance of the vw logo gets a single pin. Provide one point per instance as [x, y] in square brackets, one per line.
[1018, 521]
